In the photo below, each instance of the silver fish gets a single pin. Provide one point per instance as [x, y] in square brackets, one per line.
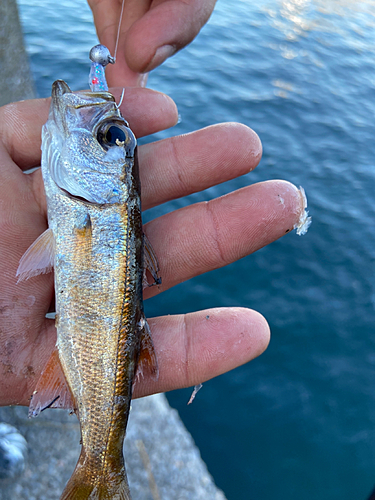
[97, 248]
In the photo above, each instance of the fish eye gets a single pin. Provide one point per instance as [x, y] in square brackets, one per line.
[116, 134]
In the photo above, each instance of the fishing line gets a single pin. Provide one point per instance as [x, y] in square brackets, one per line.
[121, 99]
[118, 29]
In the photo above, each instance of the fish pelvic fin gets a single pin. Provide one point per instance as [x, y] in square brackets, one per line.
[38, 258]
[151, 264]
[147, 361]
[52, 389]
[111, 485]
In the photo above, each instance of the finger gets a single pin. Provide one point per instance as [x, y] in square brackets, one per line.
[20, 130]
[190, 349]
[182, 165]
[147, 112]
[208, 235]
[150, 32]
[196, 347]
[107, 15]
[164, 29]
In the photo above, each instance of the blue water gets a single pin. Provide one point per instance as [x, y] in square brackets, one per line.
[298, 422]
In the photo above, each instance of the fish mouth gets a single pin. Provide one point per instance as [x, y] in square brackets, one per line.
[59, 88]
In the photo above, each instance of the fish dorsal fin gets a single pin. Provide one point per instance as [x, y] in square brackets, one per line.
[147, 361]
[52, 390]
[151, 263]
[38, 258]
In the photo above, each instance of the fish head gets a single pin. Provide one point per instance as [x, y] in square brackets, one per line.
[89, 147]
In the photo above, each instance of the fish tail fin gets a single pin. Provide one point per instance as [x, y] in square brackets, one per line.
[112, 485]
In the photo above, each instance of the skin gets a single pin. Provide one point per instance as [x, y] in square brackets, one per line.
[188, 242]
[150, 32]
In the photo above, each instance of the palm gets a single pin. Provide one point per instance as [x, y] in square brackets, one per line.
[188, 242]
[26, 338]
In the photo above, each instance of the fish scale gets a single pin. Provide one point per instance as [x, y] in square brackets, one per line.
[98, 350]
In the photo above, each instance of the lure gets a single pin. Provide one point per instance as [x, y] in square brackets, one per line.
[100, 57]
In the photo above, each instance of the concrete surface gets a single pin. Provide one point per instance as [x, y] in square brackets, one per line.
[163, 462]
[161, 458]
[15, 79]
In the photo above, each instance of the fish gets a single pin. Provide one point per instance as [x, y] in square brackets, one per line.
[96, 246]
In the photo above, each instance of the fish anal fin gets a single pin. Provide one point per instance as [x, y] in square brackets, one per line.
[150, 263]
[52, 390]
[38, 258]
[147, 361]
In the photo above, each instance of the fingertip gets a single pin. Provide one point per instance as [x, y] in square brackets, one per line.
[163, 30]
[251, 331]
[261, 326]
[161, 54]
[294, 205]
[241, 135]
[244, 335]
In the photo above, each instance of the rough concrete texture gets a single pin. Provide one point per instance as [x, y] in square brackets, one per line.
[15, 80]
[162, 459]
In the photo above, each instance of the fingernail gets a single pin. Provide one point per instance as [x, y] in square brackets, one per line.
[160, 56]
[142, 80]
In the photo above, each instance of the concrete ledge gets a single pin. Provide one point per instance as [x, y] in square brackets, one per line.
[15, 79]
[161, 457]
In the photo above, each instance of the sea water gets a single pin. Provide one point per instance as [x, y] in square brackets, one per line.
[299, 421]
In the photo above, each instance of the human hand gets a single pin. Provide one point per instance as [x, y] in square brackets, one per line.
[151, 31]
[190, 348]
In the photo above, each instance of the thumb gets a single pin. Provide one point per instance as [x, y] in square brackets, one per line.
[158, 34]
[163, 30]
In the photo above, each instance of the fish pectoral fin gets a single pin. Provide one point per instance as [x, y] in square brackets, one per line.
[147, 359]
[52, 390]
[150, 263]
[38, 258]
